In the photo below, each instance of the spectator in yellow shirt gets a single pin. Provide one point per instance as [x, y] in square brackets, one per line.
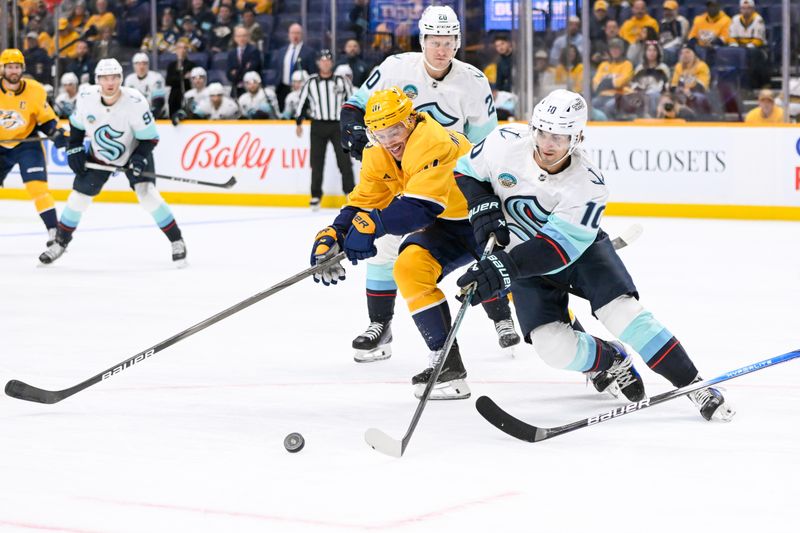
[569, 71]
[613, 79]
[102, 19]
[66, 35]
[79, 16]
[710, 28]
[259, 6]
[691, 80]
[766, 112]
[632, 28]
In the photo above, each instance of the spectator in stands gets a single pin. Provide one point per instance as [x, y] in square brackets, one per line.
[167, 35]
[612, 79]
[572, 35]
[34, 25]
[67, 96]
[102, 19]
[543, 74]
[253, 27]
[670, 107]
[711, 28]
[766, 112]
[178, 77]
[673, 30]
[293, 56]
[37, 61]
[106, 45]
[199, 91]
[260, 7]
[299, 77]
[632, 28]
[82, 65]
[691, 81]
[352, 58]
[191, 35]
[133, 24]
[203, 17]
[651, 78]
[66, 35]
[569, 71]
[600, 48]
[505, 62]
[222, 33]
[79, 16]
[257, 102]
[635, 53]
[598, 21]
[218, 106]
[358, 18]
[244, 57]
[749, 31]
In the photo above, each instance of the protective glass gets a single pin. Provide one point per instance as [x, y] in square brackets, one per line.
[551, 139]
[391, 135]
[446, 43]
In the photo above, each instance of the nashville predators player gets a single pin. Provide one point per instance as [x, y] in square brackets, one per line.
[407, 187]
[23, 112]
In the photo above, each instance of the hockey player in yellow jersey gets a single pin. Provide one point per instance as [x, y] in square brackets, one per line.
[407, 187]
[24, 111]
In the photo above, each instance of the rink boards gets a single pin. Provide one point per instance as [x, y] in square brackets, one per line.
[705, 170]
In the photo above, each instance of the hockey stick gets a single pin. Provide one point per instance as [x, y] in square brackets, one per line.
[112, 168]
[27, 140]
[381, 441]
[527, 432]
[23, 391]
[627, 237]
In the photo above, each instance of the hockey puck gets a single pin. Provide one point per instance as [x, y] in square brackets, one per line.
[294, 442]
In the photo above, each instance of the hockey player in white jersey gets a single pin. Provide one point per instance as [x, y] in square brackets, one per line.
[292, 101]
[257, 102]
[121, 132]
[218, 106]
[458, 97]
[199, 91]
[150, 83]
[543, 199]
[67, 96]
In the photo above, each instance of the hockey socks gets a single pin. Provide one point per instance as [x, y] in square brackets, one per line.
[434, 324]
[497, 308]
[381, 292]
[43, 200]
[151, 201]
[672, 362]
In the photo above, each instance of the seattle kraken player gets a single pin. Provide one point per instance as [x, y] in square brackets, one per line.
[539, 193]
[459, 98]
[121, 132]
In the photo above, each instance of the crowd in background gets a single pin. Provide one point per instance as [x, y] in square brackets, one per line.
[218, 61]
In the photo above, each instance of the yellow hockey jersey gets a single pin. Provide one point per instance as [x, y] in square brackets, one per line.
[425, 172]
[23, 110]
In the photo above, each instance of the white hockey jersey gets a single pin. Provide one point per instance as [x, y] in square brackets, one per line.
[65, 104]
[755, 30]
[291, 104]
[566, 207]
[114, 131]
[151, 86]
[462, 101]
[264, 101]
[193, 97]
[227, 109]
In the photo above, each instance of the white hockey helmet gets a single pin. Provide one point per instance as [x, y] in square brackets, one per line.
[198, 72]
[439, 20]
[252, 76]
[140, 57]
[69, 78]
[299, 75]
[216, 89]
[561, 112]
[108, 67]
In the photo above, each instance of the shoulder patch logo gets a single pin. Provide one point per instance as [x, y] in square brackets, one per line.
[90, 119]
[411, 91]
[507, 180]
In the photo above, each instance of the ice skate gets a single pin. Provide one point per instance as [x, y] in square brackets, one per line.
[375, 344]
[56, 249]
[506, 334]
[51, 236]
[314, 204]
[179, 253]
[621, 376]
[451, 384]
[711, 403]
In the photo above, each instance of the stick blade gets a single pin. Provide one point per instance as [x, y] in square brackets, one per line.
[630, 235]
[230, 183]
[380, 441]
[22, 391]
[507, 423]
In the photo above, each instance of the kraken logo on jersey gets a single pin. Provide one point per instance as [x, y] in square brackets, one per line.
[438, 115]
[105, 137]
[527, 214]
[10, 119]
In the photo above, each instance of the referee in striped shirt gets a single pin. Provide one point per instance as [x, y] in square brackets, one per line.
[321, 98]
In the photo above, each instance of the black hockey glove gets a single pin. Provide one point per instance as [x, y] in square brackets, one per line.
[137, 164]
[354, 139]
[76, 159]
[486, 218]
[59, 139]
[326, 245]
[492, 276]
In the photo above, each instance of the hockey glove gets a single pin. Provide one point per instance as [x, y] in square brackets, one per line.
[360, 241]
[354, 139]
[492, 276]
[59, 139]
[326, 245]
[76, 159]
[137, 164]
[486, 218]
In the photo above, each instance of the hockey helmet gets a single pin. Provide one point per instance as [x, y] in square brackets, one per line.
[386, 108]
[108, 67]
[561, 112]
[11, 56]
[439, 20]
[216, 89]
[252, 76]
[198, 72]
[140, 57]
[69, 78]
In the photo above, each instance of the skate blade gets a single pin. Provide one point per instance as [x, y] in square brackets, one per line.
[370, 356]
[613, 390]
[181, 263]
[724, 413]
[456, 389]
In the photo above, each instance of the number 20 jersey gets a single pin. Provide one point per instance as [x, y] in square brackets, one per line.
[114, 131]
[565, 207]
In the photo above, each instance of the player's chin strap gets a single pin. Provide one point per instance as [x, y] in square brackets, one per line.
[424, 60]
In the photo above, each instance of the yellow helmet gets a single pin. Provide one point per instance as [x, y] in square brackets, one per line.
[387, 108]
[12, 55]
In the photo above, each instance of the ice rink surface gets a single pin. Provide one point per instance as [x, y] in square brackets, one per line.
[192, 438]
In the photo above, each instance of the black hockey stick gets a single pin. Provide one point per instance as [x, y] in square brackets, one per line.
[27, 140]
[527, 432]
[381, 441]
[23, 391]
[113, 168]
